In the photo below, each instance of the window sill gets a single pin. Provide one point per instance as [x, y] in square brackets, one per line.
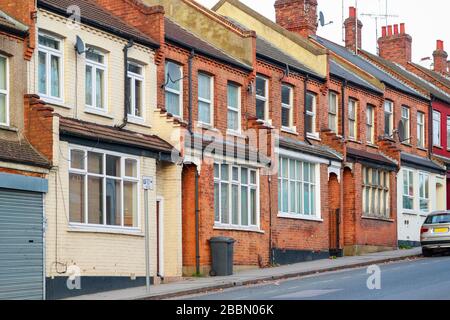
[8, 128]
[378, 219]
[289, 130]
[237, 228]
[235, 134]
[267, 123]
[313, 136]
[55, 102]
[206, 126]
[407, 144]
[439, 147]
[83, 228]
[354, 140]
[298, 217]
[138, 121]
[97, 112]
[371, 145]
[422, 148]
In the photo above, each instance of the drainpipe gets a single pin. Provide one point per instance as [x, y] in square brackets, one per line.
[126, 105]
[430, 127]
[191, 58]
[197, 220]
[341, 184]
[305, 89]
[344, 86]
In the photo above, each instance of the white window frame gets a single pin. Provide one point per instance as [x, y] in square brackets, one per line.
[250, 186]
[421, 129]
[94, 67]
[407, 126]
[210, 101]
[353, 121]
[136, 77]
[316, 215]
[265, 99]
[180, 92]
[334, 115]
[122, 178]
[370, 127]
[238, 109]
[410, 181]
[6, 92]
[437, 121]
[49, 52]
[313, 115]
[289, 106]
[422, 196]
[378, 200]
[388, 110]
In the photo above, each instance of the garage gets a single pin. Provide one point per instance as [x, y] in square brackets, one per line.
[21, 237]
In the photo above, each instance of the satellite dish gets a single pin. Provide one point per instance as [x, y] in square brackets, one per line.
[401, 131]
[321, 19]
[79, 46]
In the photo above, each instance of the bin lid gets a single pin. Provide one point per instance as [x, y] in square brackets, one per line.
[222, 239]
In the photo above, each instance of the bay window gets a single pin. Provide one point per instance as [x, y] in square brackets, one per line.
[405, 130]
[234, 107]
[286, 106]
[103, 188]
[95, 82]
[436, 128]
[205, 98]
[4, 91]
[174, 88]
[135, 77]
[352, 119]
[297, 188]
[262, 98]
[424, 192]
[236, 196]
[420, 129]
[388, 118]
[310, 106]
[376, 197]
[370, 126]
[333, 112]
[49, 66]
[408, 190]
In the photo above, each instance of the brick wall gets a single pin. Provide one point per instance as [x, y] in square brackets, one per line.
[299, 16]
[395, 44]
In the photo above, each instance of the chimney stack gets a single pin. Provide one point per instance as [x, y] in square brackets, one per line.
[395, 44]
[299, 16]
[353, 29]
[440, 58]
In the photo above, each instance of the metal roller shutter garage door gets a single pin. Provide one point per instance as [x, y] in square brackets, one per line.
[21, 245]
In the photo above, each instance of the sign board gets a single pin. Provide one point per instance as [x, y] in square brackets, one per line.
[147, 183]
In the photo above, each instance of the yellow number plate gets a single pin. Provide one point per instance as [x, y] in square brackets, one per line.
[440, 230]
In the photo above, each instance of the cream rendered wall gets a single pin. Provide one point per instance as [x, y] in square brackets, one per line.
[74, 73]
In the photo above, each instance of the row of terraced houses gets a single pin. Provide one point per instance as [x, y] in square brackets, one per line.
[296, 147]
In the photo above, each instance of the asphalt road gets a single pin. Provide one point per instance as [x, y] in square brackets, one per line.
[427, 279]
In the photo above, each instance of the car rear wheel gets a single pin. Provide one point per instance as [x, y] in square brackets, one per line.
[427, 252]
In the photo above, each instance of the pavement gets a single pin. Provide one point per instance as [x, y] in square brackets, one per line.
[189, 286]
[417, 279]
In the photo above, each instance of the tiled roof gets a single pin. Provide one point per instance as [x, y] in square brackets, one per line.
[421, 163]
[339, 70]
[182, 37]
[420, 82]
[9, 22]
[20, 151]
[316, 150]
[101, 133]
[94, 15]
[369, 67]
[265, 49]
[433, 74]
[372, 157]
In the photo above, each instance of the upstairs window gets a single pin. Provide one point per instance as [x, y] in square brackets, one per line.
[262, 99]
[333, 112]
[310, 106]
[420, 129]
[370, 124]
[205, 98]
[174, 88]
[436, 129]
[286, 106]
[234, 107]
[406, 127]
[352, 119]
[4, 91]
[388, 118]
[50, 67]
[135, 76]
[95, 80]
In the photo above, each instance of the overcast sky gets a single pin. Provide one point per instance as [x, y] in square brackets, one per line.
[426, 21]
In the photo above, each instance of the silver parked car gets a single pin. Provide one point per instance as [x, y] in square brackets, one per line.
[435, 233]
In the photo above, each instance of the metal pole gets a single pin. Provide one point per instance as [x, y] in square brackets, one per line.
[147, 245]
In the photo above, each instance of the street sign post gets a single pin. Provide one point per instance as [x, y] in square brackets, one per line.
[147, 184]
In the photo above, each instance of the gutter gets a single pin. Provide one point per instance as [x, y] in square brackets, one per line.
[14, 31]
[344, 86]
[190, 106]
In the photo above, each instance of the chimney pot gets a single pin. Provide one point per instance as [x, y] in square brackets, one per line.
[383, 32]
[352, 12]
[402, 28]
[396, 29]
[389, 30]
[440, 45]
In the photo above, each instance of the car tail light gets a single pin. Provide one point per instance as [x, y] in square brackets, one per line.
[423, 230]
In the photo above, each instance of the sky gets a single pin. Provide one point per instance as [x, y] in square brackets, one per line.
[426, 21]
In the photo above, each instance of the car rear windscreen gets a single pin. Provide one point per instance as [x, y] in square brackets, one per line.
[438, 219]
